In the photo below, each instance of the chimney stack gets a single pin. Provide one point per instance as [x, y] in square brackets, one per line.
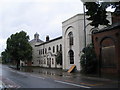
[47, 38]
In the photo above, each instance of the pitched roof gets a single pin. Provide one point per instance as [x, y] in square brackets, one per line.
[49, 41]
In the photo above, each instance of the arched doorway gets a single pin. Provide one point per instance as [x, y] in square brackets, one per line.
[108, 57]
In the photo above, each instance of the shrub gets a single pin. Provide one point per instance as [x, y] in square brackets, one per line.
[88, 60]
[59, 58]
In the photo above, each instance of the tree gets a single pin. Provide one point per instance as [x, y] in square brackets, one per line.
[18, 47]
[88, 60]
[5, 57]
[59, 58]
[97, 12]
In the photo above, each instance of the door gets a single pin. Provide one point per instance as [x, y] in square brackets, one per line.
[108, 57]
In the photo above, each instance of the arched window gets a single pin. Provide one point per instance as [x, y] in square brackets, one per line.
[60, 47]
[57, 48]
[53, 49]
[71, 56]
[45, 50]
[70, 35]
[52, 61]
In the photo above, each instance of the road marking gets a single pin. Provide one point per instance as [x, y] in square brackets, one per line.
[9, 83]
[91, 84]
[72, 84]
[37, 77]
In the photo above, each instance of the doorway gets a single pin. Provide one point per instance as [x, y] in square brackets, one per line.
[108, 58]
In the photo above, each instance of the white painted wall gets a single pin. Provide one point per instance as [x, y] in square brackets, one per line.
[75, 24]
[50, 54]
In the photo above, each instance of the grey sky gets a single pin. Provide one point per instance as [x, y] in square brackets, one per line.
[42, 16]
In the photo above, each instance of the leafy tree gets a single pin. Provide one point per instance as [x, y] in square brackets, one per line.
[5, 57]
[59, 58]
[88, 60]
[19, 48]
[97, 12]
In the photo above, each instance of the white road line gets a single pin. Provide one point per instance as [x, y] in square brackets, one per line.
[37, 77]
[11, 84]
[72, 84]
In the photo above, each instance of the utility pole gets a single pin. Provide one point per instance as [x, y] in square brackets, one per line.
[84, 26]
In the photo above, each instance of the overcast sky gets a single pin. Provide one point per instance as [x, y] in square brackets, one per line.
[42, 16]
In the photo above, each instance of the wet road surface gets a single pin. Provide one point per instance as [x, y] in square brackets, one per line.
[50, 78]
[18, 79]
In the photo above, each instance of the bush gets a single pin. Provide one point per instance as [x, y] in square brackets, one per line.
[88, 60]
[59, 58]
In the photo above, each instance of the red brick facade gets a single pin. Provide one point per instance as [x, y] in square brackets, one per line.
[107, 39]
[107, 48]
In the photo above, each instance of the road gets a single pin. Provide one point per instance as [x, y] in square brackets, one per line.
[16, 79]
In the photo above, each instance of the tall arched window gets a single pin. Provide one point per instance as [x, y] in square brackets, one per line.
[57, 48]
[70, 35]
[45, 50]
[60, 47]
[53, 49]
[71, 56]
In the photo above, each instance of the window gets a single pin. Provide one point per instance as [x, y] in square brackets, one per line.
[45, 50]
[47, 62]
[52, 61]
[39, 61]
[60, 47]
[49, 48]
[71, 56]
[39, 52]
[53, 49]
[44, 61]
[57, 48]
[70, 35]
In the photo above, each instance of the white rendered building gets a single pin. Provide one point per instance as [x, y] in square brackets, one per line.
[73, 39]
[70, 43]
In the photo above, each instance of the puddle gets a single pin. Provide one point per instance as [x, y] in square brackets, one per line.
[43, 71]
[47, 71]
